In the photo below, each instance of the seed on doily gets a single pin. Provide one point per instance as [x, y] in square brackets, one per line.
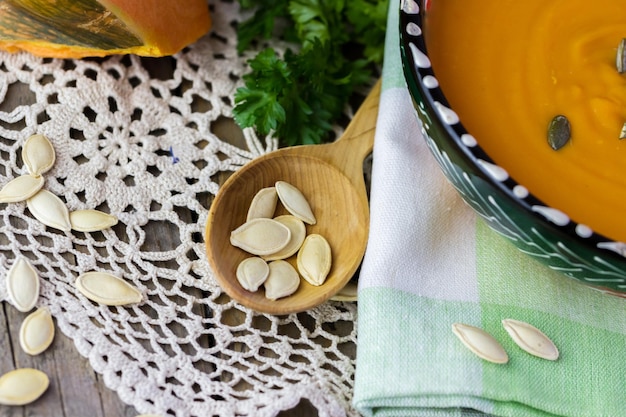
[37, 331]
[314, 259]
[481, 343]
[38, 154]
[23, 285]
[252, 273]
[261, 236]
[107, 289]
[91, 220]
[283, 280]
[263, 204]
[22, 386]
[21, 188]
[50, 210]
[295, 202]
[531, 339]
[298, 233]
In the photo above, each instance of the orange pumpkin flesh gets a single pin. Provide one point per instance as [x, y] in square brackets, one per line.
[82, 28]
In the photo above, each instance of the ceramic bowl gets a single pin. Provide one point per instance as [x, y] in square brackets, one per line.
[542, 232]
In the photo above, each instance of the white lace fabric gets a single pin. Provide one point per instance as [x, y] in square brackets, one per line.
[133, 143]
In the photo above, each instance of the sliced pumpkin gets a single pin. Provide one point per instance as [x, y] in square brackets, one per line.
[82, 28]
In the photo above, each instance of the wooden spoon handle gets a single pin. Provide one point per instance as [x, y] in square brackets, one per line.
[359, 135]
[348, 152]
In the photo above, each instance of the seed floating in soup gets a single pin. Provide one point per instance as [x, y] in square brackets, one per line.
[508, 68]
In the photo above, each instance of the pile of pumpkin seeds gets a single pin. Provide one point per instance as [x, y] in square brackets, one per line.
[24, 385]
[39, 156]
[272, 240]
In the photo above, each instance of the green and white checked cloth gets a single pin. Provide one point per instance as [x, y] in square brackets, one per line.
[431, 262]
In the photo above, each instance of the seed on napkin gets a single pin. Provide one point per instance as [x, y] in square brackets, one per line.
[481, 343]
[531, 339]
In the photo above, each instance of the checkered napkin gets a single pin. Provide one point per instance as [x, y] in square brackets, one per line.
[431, 262]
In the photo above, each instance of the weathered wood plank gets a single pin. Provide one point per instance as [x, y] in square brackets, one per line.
[77, 383]
[6, 358]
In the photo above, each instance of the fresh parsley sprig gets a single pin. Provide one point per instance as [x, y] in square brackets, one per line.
[301, 94]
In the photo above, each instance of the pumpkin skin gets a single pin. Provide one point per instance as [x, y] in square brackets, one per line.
[87, 28]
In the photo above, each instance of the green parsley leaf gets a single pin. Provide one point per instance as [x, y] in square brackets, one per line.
[318, 20]
[261, 26]
[300, 96]
[369, 19]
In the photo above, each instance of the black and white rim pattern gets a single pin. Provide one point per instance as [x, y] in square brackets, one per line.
[599, 269]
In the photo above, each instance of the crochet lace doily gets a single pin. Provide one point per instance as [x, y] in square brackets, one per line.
[144, 146]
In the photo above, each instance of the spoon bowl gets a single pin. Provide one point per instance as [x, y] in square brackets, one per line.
[331, 178]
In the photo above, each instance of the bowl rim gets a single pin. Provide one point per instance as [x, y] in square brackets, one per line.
[417, 66]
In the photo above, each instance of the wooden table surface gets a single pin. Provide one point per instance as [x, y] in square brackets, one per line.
[75, 389]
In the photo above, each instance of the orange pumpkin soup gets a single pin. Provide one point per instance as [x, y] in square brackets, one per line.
[508, 67]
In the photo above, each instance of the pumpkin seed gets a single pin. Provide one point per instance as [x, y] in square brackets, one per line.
[263, 204]
[347, 293]
[481, 343]
[107, 289]
[622, 134]
[314, 259]
[23, 285]
[50, 210]
[295, 202]
[261, 236]
[298, 233]
[91, 220]
[620, 58]
[37, 331]
[283, 280]
[38, 154]
[252, 273]
[22, 386]
[531, 339]
[21, 188]
[559, 132]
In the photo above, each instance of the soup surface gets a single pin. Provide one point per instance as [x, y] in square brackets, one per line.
[509, 67]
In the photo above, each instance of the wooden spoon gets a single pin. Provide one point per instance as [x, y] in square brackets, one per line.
[331, 178]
